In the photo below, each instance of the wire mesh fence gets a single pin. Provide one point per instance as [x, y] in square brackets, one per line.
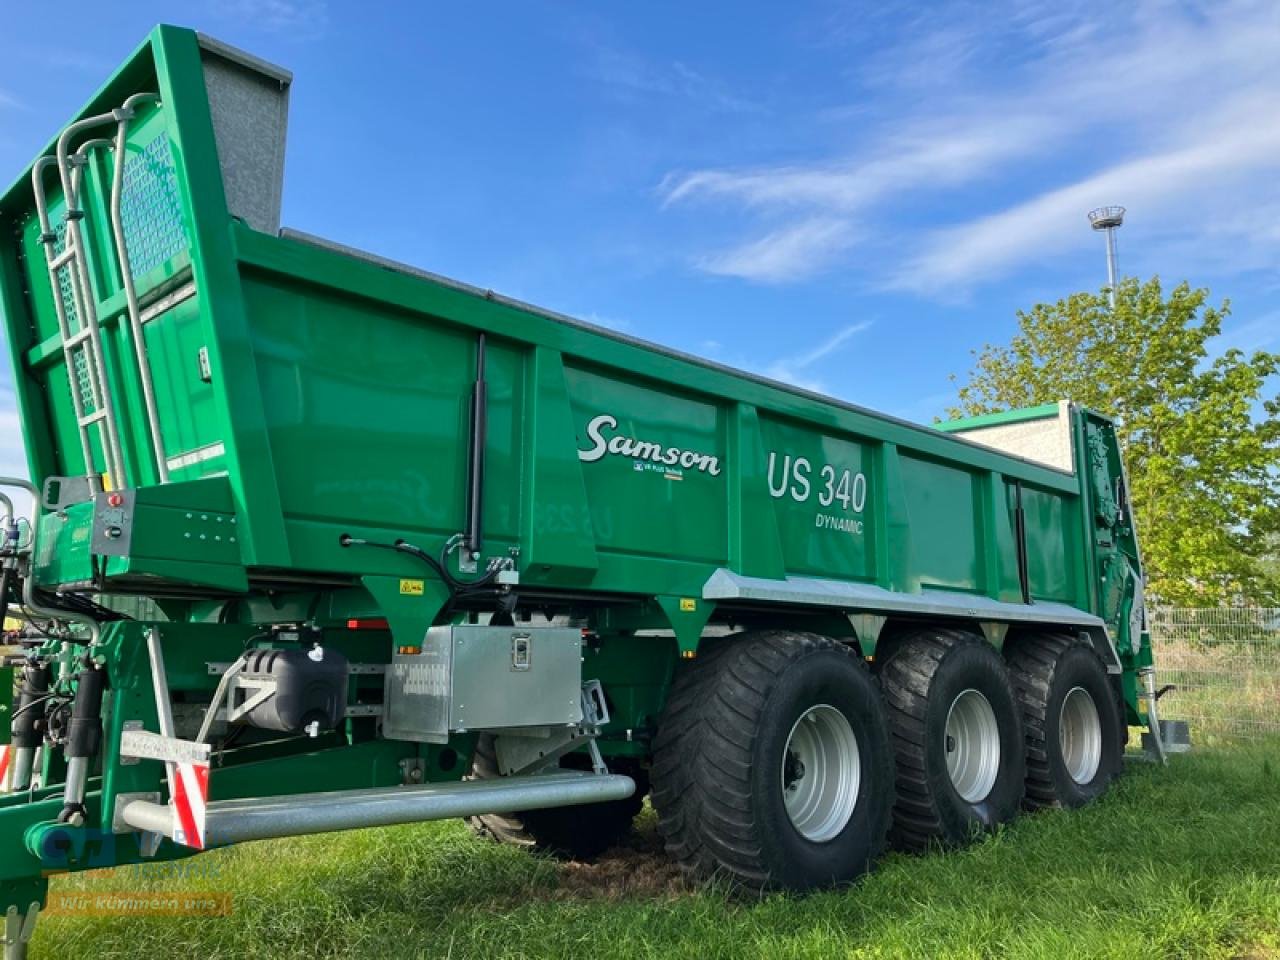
[1225, 662]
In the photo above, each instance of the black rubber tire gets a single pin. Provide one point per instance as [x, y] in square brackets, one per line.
[719, 753]
[571, 833]
[922, 678]
[1044, 668]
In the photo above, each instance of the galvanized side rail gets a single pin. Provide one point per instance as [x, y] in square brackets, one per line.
[239, 821]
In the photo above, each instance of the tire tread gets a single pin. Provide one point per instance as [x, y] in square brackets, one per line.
[906, 675]
[1032, 663]
[703, 752]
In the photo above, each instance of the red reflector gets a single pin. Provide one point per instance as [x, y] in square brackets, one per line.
[374, 623]
[114, 500]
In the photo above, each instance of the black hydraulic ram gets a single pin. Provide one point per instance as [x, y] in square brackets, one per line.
[6, 574]
[29, 720]
[8, 560]
[1020, 534]
[84, 738]
[473, 539]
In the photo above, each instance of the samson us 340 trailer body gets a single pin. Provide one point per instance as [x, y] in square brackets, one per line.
[407, 549]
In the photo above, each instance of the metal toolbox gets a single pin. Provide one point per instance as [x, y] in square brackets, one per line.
[484, 678]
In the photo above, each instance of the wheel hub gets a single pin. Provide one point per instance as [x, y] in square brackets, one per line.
[972, 742]
[1080, 735]
[821, 772]
[794, 770]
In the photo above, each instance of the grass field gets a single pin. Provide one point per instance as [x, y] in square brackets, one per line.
[1175, 862]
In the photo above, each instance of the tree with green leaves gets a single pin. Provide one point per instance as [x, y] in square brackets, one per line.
[1200, 427]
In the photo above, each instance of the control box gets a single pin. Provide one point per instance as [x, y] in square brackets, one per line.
[484, 678]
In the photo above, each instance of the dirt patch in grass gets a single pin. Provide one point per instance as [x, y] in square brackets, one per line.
[637, 868]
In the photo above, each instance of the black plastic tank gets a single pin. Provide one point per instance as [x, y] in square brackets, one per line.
[310, 685]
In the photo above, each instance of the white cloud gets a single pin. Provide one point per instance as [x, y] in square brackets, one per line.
[1260, 333]
[905, 158]
[634, 77]
[796, 369]
[830, 345]
[1054, 221]
[1162, 107]
[300, 19]
[794, 251]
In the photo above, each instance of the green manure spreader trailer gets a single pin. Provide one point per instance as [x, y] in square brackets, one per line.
[322, 541]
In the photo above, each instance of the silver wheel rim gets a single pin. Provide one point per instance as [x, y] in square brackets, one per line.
[1080, 735]
[972, 745]
[821, 771]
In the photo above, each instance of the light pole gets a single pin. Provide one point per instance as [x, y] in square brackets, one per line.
[1108, 220]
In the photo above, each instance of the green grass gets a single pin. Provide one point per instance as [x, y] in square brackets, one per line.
[1175, 862]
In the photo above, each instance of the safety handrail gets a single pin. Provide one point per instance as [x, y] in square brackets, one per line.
[82, 291]
[125, 114]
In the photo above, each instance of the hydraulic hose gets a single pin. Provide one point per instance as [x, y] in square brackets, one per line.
[34, 608]
[438, 565]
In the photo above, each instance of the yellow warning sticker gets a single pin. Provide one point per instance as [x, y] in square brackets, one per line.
[688, 605]
[413, 588]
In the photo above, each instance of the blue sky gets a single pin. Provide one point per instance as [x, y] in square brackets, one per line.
[851, 197]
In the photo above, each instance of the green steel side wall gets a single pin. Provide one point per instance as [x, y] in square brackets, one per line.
[339, 393]
[365, 375]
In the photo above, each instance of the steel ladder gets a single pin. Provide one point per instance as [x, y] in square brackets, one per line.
[79, 326]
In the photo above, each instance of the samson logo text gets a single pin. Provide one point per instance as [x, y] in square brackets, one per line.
[602, 444]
